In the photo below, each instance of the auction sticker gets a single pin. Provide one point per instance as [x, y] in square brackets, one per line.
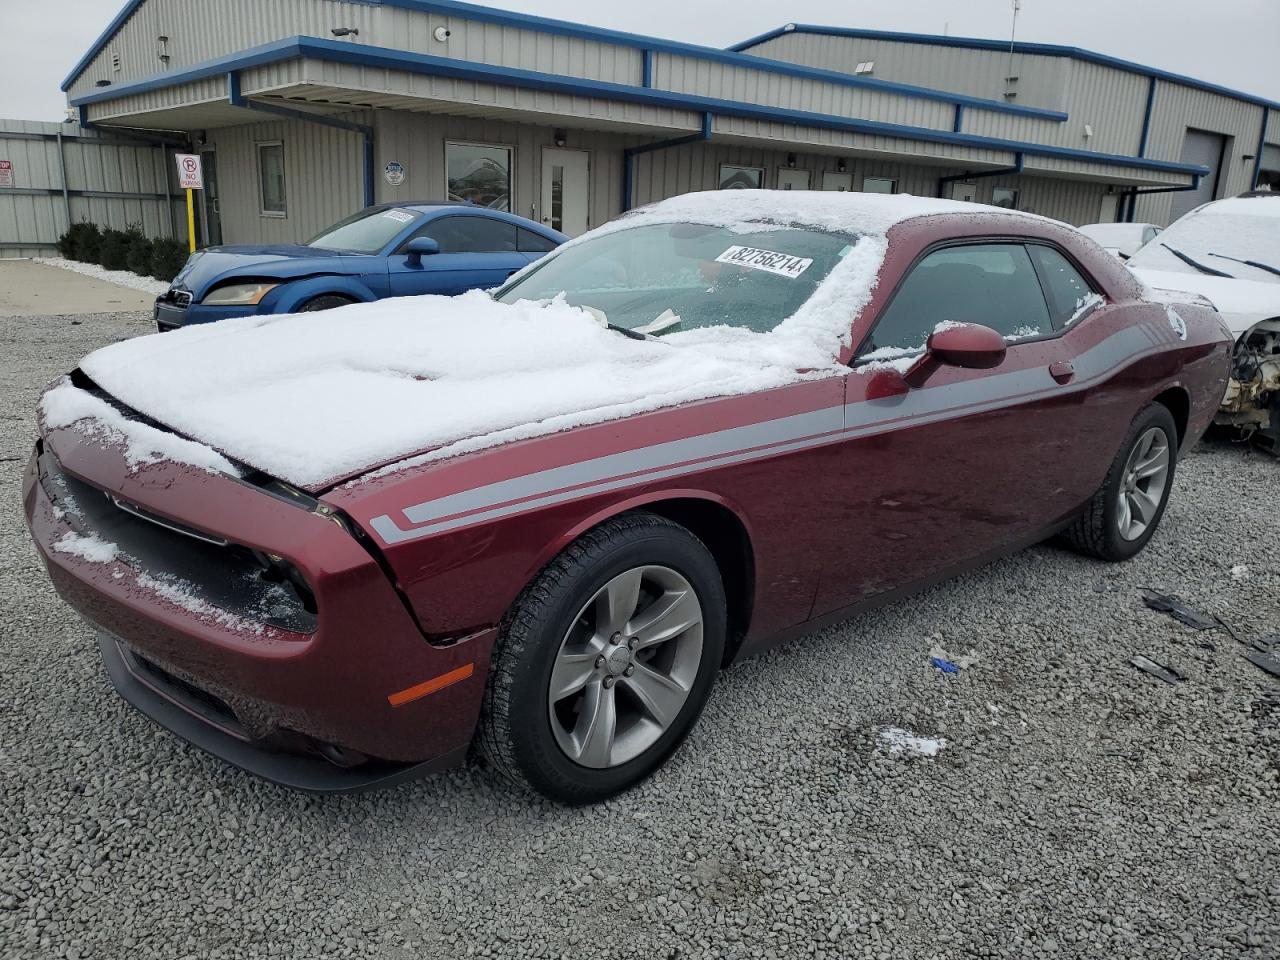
[780, 264]
[399, 216]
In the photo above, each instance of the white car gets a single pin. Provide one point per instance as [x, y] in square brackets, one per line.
[1122, 239]
[1228, 252]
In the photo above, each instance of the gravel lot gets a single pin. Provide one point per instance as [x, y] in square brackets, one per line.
[1080, 808]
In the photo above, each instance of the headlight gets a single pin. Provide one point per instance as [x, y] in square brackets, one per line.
[239, 294]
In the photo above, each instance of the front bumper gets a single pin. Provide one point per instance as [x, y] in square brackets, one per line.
[171, 316]
[312, 710]
[171, 706]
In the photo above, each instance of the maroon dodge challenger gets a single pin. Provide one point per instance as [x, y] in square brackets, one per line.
[338, 550]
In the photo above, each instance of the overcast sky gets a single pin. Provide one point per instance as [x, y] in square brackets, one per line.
[1232, 42]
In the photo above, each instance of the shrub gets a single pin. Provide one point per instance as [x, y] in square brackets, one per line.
[67, 242]
[168, 257]
[139, 256]
[113, 252]
[83, 241]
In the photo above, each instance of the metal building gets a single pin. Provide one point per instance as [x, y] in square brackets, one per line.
[306, 110]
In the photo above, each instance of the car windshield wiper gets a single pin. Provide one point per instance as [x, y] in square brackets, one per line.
[1194, 263]
[1266, 267]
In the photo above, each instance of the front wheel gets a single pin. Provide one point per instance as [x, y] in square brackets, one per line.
[606, 661]
[1126, 511]
[328, 301]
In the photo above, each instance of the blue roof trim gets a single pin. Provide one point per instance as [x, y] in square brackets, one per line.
[335, 51]
[563, 28]
[1035, 49]
[103, 39]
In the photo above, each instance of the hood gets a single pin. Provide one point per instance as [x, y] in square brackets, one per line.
[1243, 303]
[205, 268]
[315, 399]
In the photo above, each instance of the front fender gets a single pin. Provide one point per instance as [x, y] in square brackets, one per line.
[289, 297]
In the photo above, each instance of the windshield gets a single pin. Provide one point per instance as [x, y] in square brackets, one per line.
[366, 232]
[1217, 239]
[662, 278]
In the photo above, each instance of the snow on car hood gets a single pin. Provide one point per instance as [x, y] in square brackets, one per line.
[320, 397]
[1243, 303]
[317, 398]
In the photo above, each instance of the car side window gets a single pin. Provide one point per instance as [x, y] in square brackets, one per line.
[1069, 293]
[1149, 234]
[472, 235]
[530, 242]
[992, 284]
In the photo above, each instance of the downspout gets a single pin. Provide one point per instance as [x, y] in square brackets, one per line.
[958, 125]
[629, 157]
[62, 172]
[1262, 146]
[1132, 203]
[235, 98]
[646, 69]
[1017, 168]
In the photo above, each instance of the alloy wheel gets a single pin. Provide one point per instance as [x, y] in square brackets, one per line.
[625, 669]
[1143, 483]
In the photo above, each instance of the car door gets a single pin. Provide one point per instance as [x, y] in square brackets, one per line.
[476, 252]
[972, 462]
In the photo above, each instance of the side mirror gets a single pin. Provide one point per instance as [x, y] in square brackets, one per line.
[420, 247]
[966, 345]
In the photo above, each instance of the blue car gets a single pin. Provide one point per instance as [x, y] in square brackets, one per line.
[392, 250]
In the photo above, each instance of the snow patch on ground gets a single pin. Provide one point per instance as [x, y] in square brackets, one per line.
[898, 742]
[65, 404]
[121, 278]
[87, 547]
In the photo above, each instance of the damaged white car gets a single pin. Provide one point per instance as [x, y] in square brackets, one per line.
[1228, 252]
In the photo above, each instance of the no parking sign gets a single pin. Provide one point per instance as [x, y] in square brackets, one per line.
[190, 172]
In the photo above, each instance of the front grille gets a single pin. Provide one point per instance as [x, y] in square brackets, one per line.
[193, 568]
[176, 298]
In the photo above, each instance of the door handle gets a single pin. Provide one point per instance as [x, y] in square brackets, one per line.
[1064, 371]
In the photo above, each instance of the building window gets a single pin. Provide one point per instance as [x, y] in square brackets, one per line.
[271, 179]
[879, 185]
[1004, 197]
[479, 173]
[733, 177]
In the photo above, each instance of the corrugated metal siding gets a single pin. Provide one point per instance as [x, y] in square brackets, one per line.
[418, 142]
[449, 90]
[1179, 108]
[792, 134]
[211, 90]
[202, 30]
[93, 164]
[322, 179]
[213, 28]
[1112, 102]
[689, 75]
[508, 46]
[977, 73]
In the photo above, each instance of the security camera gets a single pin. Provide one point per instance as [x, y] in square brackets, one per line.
[443, 34]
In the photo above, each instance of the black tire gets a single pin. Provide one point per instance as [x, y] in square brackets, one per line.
[328, 301]
[515, 734]
[1096, 532]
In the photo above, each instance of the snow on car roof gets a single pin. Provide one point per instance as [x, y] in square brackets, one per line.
[864, 213]
[319, 397]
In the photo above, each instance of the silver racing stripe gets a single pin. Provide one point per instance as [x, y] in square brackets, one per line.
[757, 441]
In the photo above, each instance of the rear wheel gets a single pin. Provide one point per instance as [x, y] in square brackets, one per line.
[328, 301]
[1126, 511]
[606, 661]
